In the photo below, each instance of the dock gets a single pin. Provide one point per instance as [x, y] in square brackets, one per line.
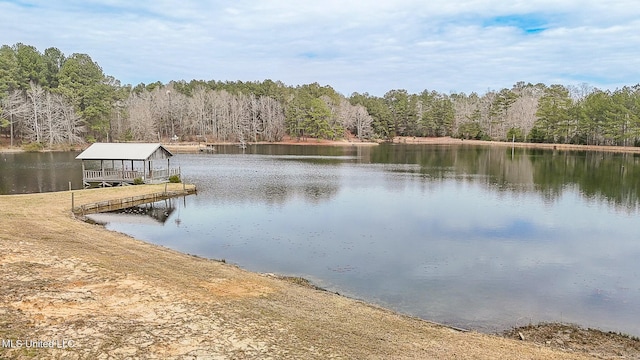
[207, 148]
[127, 202]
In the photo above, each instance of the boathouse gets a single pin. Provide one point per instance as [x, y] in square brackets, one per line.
[109, 164]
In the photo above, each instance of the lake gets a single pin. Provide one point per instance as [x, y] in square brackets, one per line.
[32, 172]
[484, 238]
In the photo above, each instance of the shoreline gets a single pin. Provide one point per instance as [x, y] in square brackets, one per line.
[195, 147]
[148, 300]
[546, 146]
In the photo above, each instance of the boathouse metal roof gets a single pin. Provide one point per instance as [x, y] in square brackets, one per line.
[124, 151]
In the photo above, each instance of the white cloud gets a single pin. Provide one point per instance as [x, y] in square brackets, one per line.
[464, 45]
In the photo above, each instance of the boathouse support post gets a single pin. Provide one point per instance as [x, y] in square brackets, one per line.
[83, 175]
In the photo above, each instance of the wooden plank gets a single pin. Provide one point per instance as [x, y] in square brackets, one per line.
[123, 203]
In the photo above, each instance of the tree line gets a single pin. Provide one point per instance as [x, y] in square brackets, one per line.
[47, 98]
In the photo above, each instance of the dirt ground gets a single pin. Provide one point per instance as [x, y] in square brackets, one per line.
[600, 344]
[195, 147]
[191, 147]
[96, 294]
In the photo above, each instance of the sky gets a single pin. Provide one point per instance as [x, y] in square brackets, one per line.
[353, 46]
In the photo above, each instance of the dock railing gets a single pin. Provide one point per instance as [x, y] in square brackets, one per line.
[126, 202]
[164, 173]
[128, 175]
[100, 175]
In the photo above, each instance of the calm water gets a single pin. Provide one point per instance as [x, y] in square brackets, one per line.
[39, 172]
[476, 237]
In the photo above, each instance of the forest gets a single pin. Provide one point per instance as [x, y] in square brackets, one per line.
[48, 99]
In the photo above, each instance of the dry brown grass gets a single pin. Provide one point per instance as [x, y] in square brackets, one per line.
[594, 342]
[110, 293]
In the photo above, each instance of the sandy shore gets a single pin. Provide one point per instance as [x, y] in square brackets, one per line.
[454, 141]
[10, 150]
[194, 147]
[106, 293]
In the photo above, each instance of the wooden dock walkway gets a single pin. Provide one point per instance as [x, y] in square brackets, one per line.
[123, 203]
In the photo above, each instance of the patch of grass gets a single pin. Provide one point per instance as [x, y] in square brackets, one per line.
[174, 179]
[619, 334]
[569, 336]
[33, 147]
[298, 280]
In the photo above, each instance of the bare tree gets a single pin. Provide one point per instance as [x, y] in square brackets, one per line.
[32, 125]
[141, 122]
[218, 115]
[255, 125]
[363, 122]
[198, 113]
[464, 109]
[273, 119]
[44, 117]
[71, 123]
[240, 117]
[355, 119]
[523, 110]
[496, 113]
[221, 111]
[14, 109]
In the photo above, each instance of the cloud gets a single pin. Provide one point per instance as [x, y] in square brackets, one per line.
[362, 46]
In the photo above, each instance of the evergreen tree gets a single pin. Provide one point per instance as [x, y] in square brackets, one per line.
[31, 66]
[82, 81]
[553, 114]
[9, 71]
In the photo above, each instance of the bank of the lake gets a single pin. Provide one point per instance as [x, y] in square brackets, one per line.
[188, 147]
[193, 147]
[109, 293]
[527, 145]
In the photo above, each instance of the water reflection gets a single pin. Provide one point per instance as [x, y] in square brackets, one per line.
[39, 172]
[149, 214]
[273, 180]
[600, 176]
